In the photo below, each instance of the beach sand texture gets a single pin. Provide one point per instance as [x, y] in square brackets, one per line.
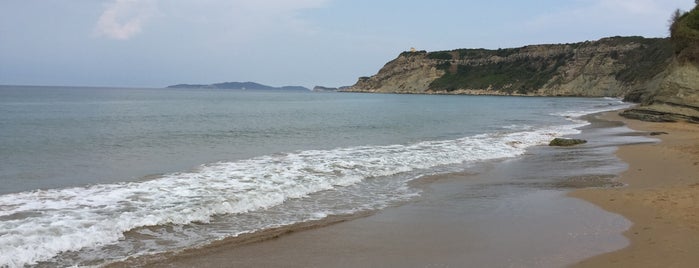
[661, 199]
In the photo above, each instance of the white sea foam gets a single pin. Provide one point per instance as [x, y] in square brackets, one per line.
[36, 226]
[611, 105]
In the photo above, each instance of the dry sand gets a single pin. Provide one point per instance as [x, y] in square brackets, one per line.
[661, 199]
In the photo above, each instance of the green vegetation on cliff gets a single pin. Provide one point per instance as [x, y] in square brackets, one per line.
[524, 71]
[684, 33]
[440, 55]
[518, 76]
[650, 59]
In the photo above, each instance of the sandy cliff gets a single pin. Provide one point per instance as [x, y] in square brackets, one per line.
[607, 67]
[675, 97]
[409, 73]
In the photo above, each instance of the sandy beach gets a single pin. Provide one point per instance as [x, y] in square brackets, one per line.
[661, 199]
[514, 213]
[457, 225]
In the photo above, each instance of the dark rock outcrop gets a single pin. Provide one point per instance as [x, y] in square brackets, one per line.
[647, 115]
[566, 142]
[662, 112]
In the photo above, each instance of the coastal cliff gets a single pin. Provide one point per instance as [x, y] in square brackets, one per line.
[662, 74]
[674, 96]
[611, 67]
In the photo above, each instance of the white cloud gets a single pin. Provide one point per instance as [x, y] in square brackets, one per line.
[122, 19]
[230, 26]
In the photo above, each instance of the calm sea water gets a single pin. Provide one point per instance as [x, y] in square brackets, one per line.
[91, 175]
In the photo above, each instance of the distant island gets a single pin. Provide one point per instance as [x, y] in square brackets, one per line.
[240, 85]
[329, 89]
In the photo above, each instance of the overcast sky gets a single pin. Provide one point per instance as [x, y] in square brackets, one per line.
[155, 43]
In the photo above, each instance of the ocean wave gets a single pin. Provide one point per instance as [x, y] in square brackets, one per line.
[612, 104]
[36, 226]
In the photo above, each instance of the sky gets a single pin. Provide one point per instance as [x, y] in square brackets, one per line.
[155, 43]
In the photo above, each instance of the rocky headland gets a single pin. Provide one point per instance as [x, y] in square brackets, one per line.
[662, 74]
[610, 67]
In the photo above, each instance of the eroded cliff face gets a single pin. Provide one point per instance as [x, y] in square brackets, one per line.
[674, 97]
[680, 87]
[609, 67]
[648, 71]
[409, 73]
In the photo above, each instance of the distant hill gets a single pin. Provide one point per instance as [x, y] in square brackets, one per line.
[324, 89]
[329, 89]
[239, 85]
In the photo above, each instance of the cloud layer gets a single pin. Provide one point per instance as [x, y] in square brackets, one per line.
[122, 19]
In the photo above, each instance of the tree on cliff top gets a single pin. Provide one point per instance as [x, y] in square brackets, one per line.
[684, 33]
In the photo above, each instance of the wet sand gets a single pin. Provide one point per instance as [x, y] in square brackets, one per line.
[458, 225]
[661, 199]
[512, 213]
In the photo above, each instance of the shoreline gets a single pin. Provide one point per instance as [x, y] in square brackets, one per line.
[580, 226]
[476, 92]
[490, 216]
[661, 198]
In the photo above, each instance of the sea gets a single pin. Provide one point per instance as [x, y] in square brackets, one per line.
[92, 176]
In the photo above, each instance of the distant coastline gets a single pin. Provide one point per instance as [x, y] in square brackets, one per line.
[239, 85]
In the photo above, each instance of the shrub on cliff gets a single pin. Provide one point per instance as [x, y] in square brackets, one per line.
[439, 55]
[684, 33]
[651, 58]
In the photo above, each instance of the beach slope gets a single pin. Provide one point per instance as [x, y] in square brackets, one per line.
[661, 199]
